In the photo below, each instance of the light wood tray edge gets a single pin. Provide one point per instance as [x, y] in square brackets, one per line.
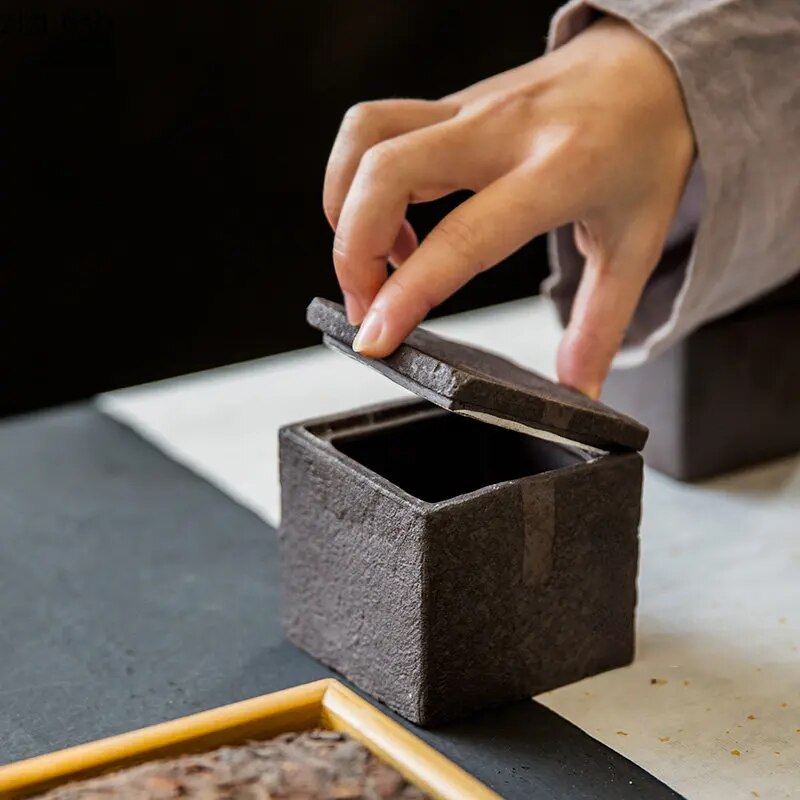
[326, 703]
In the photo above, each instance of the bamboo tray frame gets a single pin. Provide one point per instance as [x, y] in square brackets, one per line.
[325, 704]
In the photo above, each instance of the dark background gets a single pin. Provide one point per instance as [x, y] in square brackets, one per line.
[161, 168]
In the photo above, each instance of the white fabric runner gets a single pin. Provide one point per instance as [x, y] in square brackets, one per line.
[711, 705]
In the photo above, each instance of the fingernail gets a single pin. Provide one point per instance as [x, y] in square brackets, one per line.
[354, 308]
[593, 391]
[369, 333]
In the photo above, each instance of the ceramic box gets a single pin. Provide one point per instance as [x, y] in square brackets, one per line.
[473, 547]
[726, 397]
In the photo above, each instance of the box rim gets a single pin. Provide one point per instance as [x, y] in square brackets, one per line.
[300, 433]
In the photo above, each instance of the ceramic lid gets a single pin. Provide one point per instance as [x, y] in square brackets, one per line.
[470, 381]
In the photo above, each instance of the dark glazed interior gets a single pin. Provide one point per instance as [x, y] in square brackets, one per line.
[444, 455]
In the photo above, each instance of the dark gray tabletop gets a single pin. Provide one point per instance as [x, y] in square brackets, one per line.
[132, 592]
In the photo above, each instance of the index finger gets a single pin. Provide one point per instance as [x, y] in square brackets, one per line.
[420, 165]
[477, 235]
[365, 125]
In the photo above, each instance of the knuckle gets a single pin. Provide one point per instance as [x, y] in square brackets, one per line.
[370, 115]
[515, 104]
[571, 142]
[341, 253]
[381, 158]
[359, 114]
[460, 238]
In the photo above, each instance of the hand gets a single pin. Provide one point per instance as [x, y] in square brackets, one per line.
[594, 133]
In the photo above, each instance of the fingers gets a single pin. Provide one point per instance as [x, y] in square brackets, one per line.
[609, 291]
[404, 245]
[364, 126]
[474, 237]
[501, 82]
[420, 165]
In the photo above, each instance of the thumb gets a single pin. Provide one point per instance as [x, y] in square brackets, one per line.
[609, 291]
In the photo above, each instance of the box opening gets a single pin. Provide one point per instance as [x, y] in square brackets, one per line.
[442, 455]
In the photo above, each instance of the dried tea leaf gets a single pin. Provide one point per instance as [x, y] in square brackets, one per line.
[312, 765]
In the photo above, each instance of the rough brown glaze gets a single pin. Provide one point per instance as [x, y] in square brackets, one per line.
[443, 563]
[459, 377]
[441, 608]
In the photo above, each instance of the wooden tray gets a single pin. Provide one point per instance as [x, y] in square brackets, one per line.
[325, 704]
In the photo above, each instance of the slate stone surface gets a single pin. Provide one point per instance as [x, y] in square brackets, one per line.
[132, 592]
[522, 585]
[460, 377]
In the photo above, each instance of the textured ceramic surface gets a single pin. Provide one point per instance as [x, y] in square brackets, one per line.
[463, 378]
[444, 565]
[726, 397]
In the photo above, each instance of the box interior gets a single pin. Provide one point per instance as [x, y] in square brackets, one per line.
[441, 455]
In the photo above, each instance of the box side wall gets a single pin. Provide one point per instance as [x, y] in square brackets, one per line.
[743, 392]
[656, 394]
[582, 619]
[726, 397]
[473, 551]
[352, 568]
[531, 586]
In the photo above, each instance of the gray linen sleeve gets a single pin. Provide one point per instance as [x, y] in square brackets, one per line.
[737, 232]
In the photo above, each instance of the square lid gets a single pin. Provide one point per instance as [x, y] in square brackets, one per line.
[474, 382]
